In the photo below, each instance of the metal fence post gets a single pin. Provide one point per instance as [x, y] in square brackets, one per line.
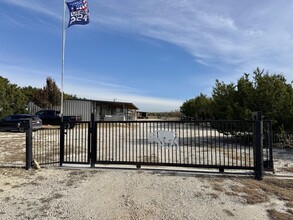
[271, 164]
[62, 134]
[93, 141]
[258, 145]
[28, 143]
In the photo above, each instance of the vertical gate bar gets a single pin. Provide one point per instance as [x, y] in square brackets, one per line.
[185, 136]
[127, 134]
[107, 145]
[140, 155]
[210, 142]
[116, 140]
[62, 134]
[93, 130]
[258, 146]
[206, 143]
[80, 151]
[234, 139]
[215, 143]
[225, 138]
[270, 145]
[147, 131]
[87, 133]
[161, 148]
[141, 135]
[123, 142]
[245, 145]
[240, 135]
[197, 140]
[185, 130]
[119, 125]
[238, 145]
[102, 141]
[143, 142]
[84, 149]
[45, 146]
[193, 128]
[79, 141]
[113, 124]
[109, 140]
[182, 143]
[190, 142]
[203, 144]
[126, 142]
[68, 145]
[29, 147]
[221, 143]
[230, 143]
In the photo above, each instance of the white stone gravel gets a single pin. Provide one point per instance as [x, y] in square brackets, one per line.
[118, 194]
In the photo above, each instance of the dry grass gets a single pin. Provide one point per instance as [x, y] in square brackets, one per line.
[276, 215]
[255, 192]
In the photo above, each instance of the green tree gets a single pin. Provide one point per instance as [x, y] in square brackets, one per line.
[198, 107]
[49, 96]
[29, 92]
[12, 100]
[273, 97]
[265, 92]
[262, 91]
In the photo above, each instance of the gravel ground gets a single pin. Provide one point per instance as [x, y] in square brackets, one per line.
[72, 193]
[55, 193]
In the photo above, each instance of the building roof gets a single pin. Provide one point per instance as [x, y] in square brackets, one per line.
[115, 104]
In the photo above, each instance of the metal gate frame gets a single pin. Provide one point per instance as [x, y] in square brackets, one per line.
[90, 150]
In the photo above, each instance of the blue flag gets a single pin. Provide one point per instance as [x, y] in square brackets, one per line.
[78, 12]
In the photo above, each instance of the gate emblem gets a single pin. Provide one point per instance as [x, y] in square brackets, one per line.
[163, 138]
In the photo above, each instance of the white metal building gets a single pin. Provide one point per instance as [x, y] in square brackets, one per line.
[103, 110]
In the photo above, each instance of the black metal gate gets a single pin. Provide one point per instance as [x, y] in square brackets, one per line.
[222, 145]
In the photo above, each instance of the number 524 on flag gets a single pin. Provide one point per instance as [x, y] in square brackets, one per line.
[78, 12]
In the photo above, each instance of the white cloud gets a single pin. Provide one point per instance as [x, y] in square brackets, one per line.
[225, 33]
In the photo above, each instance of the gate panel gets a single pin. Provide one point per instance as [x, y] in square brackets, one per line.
[211, 144]
[75, 146]
[46, 146]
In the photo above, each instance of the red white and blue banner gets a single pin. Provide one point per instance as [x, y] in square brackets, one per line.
[78, 12]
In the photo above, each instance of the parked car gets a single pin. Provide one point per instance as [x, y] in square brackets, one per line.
[17, 122]
[53, 117]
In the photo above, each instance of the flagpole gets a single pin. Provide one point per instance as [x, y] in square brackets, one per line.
[63, 51]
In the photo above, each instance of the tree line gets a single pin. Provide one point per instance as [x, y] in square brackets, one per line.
[14, 99]
[259, 91]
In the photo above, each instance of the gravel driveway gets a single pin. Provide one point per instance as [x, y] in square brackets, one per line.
[55, 193]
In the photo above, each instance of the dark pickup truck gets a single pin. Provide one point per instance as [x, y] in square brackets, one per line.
[53, 117]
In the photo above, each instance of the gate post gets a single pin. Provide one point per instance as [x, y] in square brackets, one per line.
[28, 144]
[258, 145]
[271, 163]
[93, 141]
[62, 134]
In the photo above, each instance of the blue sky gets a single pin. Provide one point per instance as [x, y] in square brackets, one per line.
[153, 53]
